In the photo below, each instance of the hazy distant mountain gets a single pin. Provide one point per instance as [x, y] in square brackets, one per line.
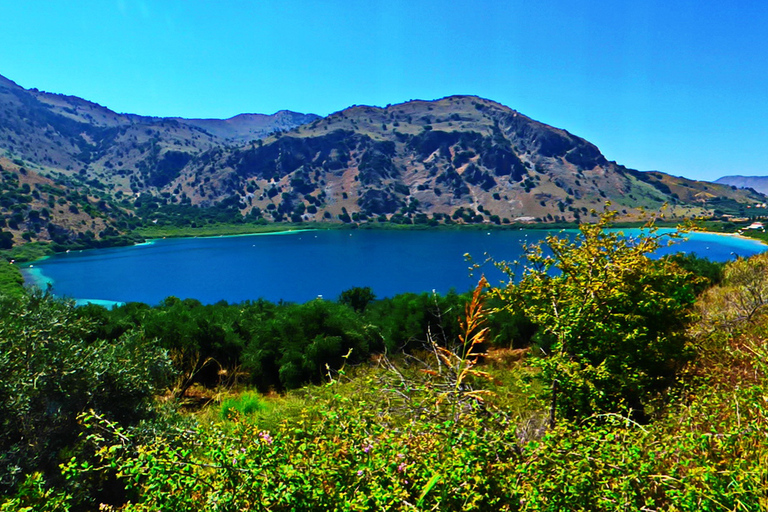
[460, 158]
[758, 183]
[247, 127]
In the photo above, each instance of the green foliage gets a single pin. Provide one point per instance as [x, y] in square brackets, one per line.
[443, 426]
[741, 298]
[281, 346]
[204, 342]
[51, 373]
[243, 404]
[6, 239]
[509, 328]
[710, 271]
[353, 447]
[404, 320]
[298, 343]
[357, 298]
[456, 365]
[675, 465]
[11, 280]
[28, 252]
[611, 319]
[333, 456]
[33, 495]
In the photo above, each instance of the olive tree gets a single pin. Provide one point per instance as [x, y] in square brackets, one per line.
[51, 372]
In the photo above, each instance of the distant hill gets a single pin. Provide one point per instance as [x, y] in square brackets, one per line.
[459, 159]
[245, 128]
[758, 183]
[64, 147]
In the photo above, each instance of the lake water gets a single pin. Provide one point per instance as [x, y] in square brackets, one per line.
[300, 266]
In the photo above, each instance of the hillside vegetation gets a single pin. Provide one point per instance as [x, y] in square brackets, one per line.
[617, 383]
[77, 174]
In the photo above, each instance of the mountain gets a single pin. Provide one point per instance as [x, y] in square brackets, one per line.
[461, 157]
[70, 135]
[457, 159]
[73, 153]
[758, 183]
[34, 207]
[244, 128]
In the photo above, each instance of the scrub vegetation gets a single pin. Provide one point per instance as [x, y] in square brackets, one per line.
[596, 379]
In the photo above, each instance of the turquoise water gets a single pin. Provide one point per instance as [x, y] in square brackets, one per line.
[300, 266]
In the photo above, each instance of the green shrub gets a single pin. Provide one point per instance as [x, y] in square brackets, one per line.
[51, 373]
[611, 320]
[11, 281]
[300, 342]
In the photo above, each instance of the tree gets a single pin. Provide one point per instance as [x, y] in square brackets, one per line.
[6, 240]
[301, 342]
[611, 320]
[357, 298]
[201, 340]
[51, 372]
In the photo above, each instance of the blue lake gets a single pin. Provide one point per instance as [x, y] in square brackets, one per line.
[300, 266]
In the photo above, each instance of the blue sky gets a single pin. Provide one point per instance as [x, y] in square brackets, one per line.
[676, 86]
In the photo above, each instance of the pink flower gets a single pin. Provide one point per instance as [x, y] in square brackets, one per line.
[264, 436]
[401, 467]
[367, 448]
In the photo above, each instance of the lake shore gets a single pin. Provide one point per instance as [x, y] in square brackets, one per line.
[38, 251]
[227, 230]
[313, 263]
[735, 235]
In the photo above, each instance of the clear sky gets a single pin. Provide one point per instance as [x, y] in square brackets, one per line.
[679, 86]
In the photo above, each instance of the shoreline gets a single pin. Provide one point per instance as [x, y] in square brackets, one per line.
[734, 235]
[34, 275]
[287, 230]
[151, 241]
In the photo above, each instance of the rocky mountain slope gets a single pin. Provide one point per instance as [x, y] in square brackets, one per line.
[34, 207]
[59, 154]
[69, 135]
[458, 159]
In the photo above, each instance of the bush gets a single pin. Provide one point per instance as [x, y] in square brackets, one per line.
[51, 374]
[11, 281]
[300, 342]
[357, 298]
[741, 298]
[611, 320]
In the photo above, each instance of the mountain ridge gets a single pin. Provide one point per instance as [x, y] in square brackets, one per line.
[457, 159]
[486, 151]
[757, 183]
[243, 128]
